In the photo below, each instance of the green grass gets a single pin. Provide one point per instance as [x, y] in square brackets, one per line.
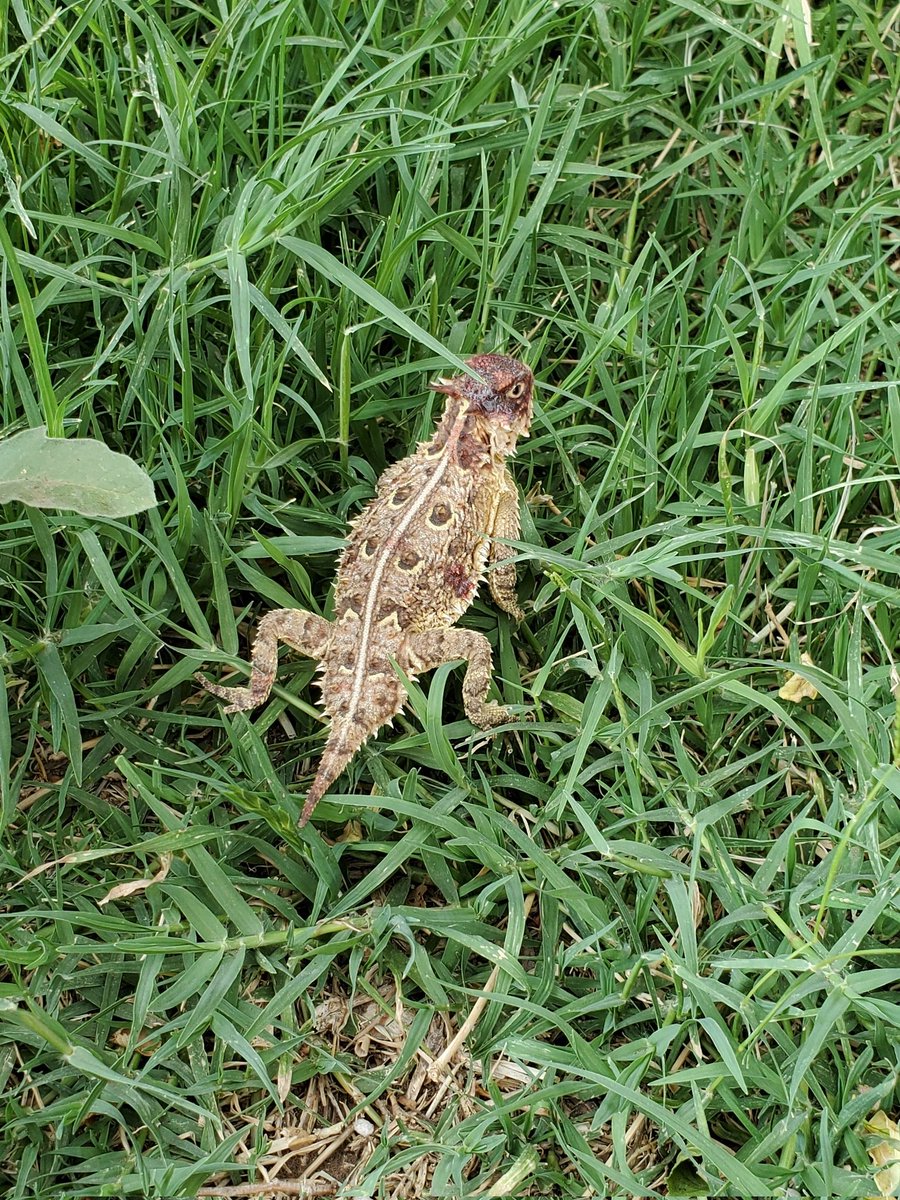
[239, 240]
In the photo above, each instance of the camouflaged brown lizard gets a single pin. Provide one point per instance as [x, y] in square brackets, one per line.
[413, 562]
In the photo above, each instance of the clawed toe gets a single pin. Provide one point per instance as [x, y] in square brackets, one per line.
[238, 699]
[496, 715]
[214, 689]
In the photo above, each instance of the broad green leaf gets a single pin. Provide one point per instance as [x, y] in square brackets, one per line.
[80, 474]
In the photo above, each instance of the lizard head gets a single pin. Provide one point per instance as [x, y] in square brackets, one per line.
[500, 401]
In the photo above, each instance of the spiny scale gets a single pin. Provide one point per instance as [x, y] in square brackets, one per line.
[413, 562]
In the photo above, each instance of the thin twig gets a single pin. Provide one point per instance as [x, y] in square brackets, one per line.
[277, 1187]
[472, 1019]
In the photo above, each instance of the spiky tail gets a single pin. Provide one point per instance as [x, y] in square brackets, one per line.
[344, 739]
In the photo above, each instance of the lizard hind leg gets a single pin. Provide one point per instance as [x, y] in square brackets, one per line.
[303, 631]
[428, 650]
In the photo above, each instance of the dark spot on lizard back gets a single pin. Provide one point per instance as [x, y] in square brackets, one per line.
[409, 560]
[401, 496]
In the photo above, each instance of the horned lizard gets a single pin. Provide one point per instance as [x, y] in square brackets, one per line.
[413, 562]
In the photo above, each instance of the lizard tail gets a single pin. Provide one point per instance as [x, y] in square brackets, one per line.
[344, 739]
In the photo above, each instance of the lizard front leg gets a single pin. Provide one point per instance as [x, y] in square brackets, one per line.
[436, 646]
[502, 579]
[303, 631]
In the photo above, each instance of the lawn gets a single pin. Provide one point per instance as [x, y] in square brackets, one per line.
[646, 944]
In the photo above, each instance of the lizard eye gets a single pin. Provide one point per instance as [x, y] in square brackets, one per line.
[517, 390]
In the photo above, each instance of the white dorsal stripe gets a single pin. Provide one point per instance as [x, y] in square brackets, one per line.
[385, 556]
